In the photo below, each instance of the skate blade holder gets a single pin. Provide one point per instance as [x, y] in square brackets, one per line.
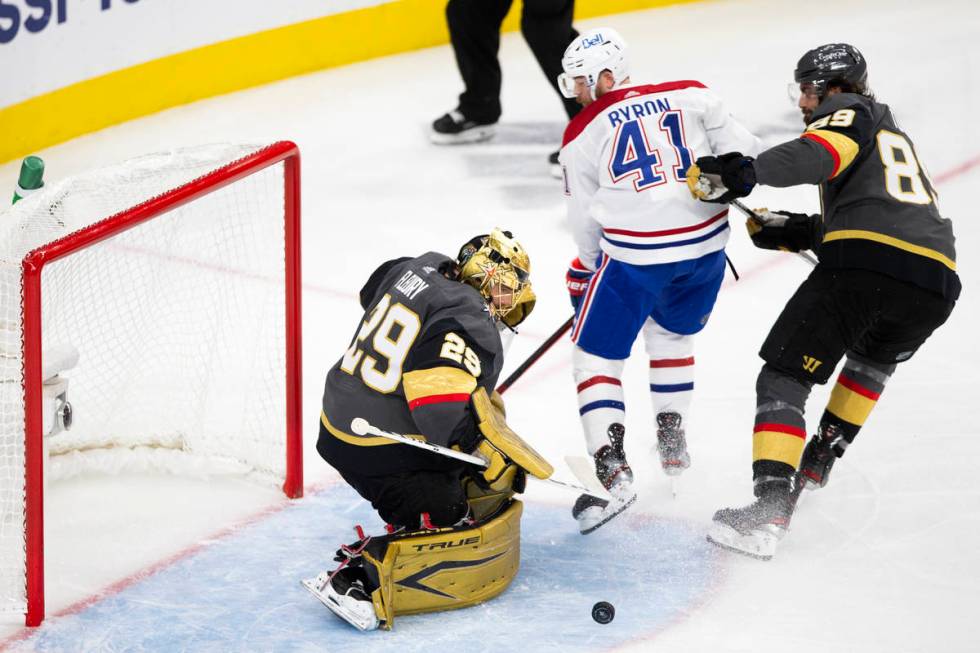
[317, 586]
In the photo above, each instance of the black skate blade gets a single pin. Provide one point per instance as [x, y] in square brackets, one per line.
[610, 516]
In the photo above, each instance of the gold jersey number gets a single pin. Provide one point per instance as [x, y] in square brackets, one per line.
[390, 342]
[903, 174]
[454, 348]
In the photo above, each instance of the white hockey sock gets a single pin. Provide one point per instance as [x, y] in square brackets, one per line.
[600, 396]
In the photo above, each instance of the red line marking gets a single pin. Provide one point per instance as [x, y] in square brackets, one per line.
[115, 588]
[956, 171]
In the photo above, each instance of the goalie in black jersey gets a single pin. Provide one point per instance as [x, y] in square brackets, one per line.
[424, 362]
[886, 279]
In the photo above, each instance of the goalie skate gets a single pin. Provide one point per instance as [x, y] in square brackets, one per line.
[344, 597]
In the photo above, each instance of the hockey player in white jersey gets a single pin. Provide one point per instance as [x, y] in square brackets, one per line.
[649, 258]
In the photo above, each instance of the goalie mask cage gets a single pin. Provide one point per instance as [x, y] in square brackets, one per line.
[176, 278]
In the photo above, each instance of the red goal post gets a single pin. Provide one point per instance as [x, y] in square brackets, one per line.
[40, 258]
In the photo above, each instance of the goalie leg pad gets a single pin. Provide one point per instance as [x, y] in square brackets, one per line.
[444, 570]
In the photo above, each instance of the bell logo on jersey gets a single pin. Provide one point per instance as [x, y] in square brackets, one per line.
[810, 364]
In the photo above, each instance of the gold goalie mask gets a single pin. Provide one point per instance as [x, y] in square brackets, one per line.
[499, 267]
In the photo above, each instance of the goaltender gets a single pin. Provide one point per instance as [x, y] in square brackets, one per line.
[424, 362]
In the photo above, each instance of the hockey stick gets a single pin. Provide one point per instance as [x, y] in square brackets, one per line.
[361, 426]
[538, 353]
[806, 256]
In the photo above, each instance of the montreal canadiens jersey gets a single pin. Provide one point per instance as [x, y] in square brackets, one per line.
[624, 159]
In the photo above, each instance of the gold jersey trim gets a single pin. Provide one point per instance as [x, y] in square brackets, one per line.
[844, 146]
[361, 440]
[861, 234]
[437, 381]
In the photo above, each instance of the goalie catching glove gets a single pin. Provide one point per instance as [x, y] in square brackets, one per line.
[783, 230]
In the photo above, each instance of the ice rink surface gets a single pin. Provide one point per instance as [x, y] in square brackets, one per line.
[886, 558]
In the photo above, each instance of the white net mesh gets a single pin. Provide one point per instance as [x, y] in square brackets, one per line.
[179, 324]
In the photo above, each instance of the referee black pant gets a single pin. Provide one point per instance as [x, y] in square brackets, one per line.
[474, 28]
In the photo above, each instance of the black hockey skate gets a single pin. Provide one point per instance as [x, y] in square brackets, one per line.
[671, 444]
[819, 456]
[616, 476]
[756, 529]
[455, 128]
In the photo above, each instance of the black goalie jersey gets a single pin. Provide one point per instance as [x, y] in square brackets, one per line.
[879, 206]
[423, 346]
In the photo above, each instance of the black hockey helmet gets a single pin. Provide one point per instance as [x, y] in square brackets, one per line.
[833, 64]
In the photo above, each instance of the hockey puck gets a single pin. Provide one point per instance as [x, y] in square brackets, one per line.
[603, 612]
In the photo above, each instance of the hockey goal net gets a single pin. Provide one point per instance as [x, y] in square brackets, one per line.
[150, 306]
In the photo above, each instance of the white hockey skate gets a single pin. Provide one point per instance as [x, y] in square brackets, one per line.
[344, 597]
[592, 512]
[616, 477]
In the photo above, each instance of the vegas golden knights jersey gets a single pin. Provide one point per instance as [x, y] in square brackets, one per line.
[879, 206]
[425, 343]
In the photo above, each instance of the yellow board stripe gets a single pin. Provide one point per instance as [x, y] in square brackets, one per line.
[844, 234]
[437, 381]
[781, 447]
[362, 440]
[850, 406]
[845, 147]
[243, 62]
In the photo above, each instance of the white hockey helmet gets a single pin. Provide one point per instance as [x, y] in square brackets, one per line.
[588, 55]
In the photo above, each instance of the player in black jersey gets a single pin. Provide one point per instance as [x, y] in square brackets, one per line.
[424, 362]
[886, 279]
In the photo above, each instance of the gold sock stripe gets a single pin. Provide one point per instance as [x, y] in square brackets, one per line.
[778, 446]
[849, 405]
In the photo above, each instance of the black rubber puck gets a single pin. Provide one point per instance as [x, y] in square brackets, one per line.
[603, 612]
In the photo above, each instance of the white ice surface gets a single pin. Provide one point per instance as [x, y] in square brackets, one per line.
[886, 558]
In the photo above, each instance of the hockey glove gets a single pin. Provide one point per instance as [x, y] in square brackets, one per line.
[720, 179]
[577, 282]
[783, 230]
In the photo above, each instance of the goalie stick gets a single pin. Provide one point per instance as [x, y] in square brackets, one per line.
[361, 426]
[538, 353]
[806, 256]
